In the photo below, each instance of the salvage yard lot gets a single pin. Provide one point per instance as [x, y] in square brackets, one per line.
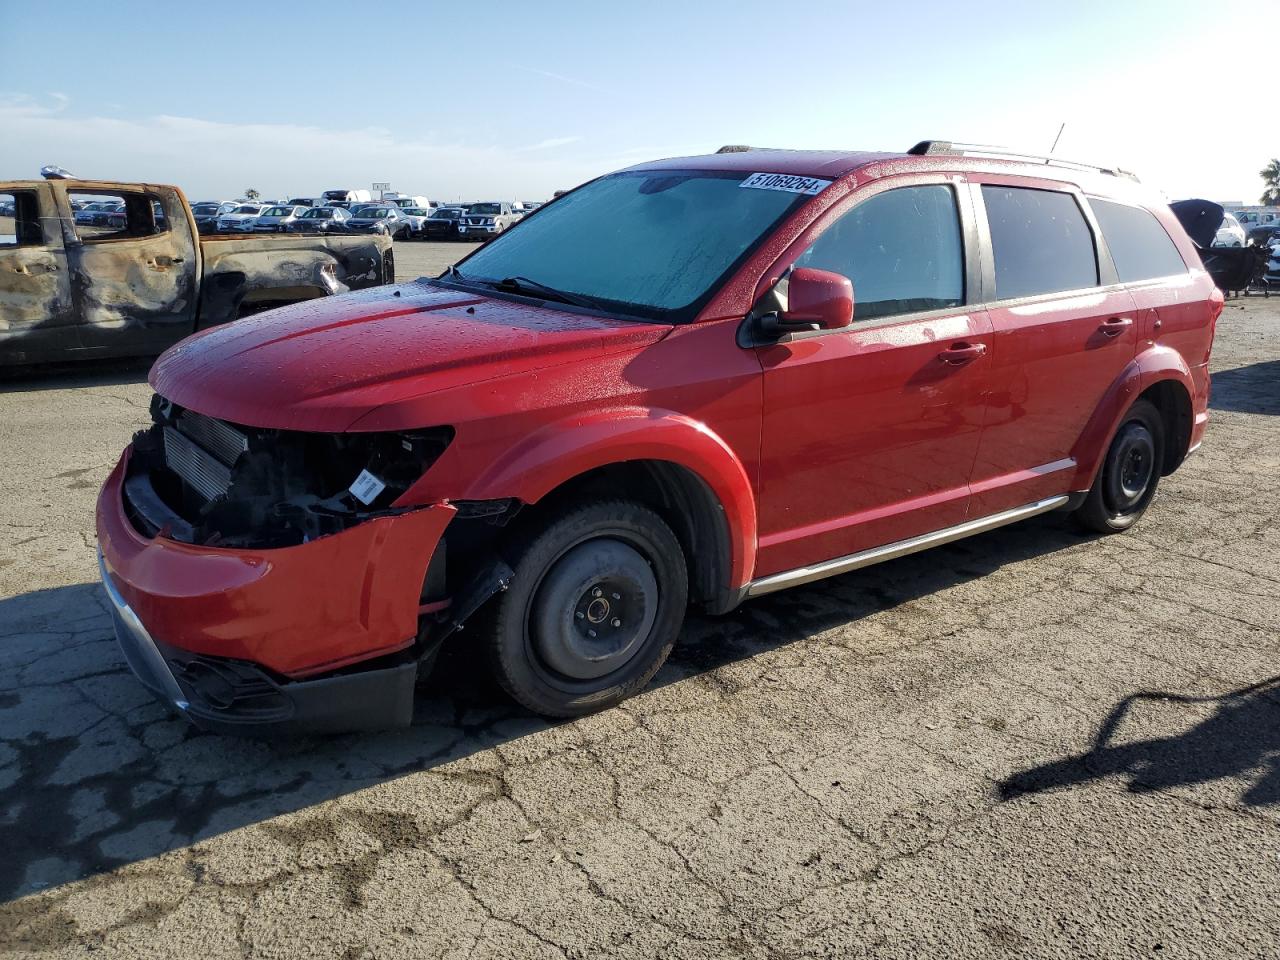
[1033, 743]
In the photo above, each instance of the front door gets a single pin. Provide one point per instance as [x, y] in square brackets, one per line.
[1064, 332]
[134, 273]
[870, 432]
[37, 316]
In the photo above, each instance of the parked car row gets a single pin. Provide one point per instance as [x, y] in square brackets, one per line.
[349, 211]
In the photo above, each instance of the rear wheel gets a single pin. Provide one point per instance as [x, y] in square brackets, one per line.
[594, 609]
[1130, 472]
[388, 267]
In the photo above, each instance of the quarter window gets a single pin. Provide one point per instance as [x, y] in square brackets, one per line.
[1139, 245]
[1040, 241]
[902, 249]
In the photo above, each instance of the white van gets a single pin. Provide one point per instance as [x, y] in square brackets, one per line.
[405, 201]
[347, 196]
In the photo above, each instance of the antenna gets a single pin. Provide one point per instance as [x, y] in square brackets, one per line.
[1057, 138]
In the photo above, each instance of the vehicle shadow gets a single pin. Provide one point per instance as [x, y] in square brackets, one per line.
[95, 774]
[1239, 741]
[82, 373]
[1251, 389]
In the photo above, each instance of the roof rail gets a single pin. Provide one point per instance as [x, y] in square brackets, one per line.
[734, 148]
[945, 148]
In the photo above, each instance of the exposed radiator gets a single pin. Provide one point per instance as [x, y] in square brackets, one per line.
[222, 440]
[201, 470]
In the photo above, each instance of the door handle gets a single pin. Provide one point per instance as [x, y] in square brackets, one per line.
[1115, 326]
[961, 353]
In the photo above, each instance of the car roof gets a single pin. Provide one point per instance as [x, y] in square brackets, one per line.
[835, 164]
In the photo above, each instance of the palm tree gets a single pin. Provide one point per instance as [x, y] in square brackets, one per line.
[251, 194]
[1271, 177]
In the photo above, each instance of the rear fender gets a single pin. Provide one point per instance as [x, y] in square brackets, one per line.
[1151, 366]
[569, 448]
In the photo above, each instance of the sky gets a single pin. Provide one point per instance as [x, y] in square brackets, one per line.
[485, 99]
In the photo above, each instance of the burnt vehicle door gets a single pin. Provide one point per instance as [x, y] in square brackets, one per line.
[37, 318]
[134, 286]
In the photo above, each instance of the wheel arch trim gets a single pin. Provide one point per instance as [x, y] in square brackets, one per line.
[567, 449]
[1152, 366]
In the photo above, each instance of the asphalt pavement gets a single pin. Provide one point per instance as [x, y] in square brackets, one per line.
[1034, 743]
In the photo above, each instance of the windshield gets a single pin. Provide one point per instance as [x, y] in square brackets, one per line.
[373, 213]
[446, 213]
[277, 212]
[204, 209]
[486, 209]
[247, 209]
[651, 244]
[317, 213]
[416, 211]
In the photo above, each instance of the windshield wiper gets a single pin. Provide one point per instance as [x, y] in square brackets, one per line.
[525, 285]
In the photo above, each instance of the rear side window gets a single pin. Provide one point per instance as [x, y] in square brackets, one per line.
[902, 249]
[116, 216]
[1138, 243]
[1040, 241]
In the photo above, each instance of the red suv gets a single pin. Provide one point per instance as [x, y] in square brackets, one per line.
[688, 383]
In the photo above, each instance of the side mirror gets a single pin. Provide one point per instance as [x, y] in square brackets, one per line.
[816, 300]
[819, 298]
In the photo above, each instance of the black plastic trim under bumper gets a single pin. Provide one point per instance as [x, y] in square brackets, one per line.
[377, 698]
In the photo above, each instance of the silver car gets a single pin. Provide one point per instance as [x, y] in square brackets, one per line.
[277, 219]
[240, 220]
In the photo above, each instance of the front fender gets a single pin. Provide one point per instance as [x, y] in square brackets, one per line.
[1152, 365]
[568, 448]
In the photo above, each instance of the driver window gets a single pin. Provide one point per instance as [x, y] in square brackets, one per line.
[902, 249]
[20, 220]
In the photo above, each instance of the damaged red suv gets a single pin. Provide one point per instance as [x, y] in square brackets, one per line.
[685, 384]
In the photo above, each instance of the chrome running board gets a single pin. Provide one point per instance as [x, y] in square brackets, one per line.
[891, 551]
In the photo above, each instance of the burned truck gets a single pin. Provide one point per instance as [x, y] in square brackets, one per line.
[75, 285]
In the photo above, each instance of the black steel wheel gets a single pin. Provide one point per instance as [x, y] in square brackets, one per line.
[596, 604]
[1130, 473]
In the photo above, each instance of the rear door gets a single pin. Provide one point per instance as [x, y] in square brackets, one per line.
[134, 283]
[1064, 331]
[37, 316]
[870, 432]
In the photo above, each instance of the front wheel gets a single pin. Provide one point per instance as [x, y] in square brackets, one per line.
[593, 610]
[1127, 480]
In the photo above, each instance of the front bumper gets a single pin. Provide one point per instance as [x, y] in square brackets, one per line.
[470, 231]
[311, 638]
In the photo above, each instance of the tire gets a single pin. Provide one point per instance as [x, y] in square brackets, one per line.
[1129, 475]
[389, 267]
[596, 604]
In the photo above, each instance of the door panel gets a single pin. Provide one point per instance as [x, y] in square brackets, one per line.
[868, 437]
[1051, 365]
[135, 288]
[37, 316]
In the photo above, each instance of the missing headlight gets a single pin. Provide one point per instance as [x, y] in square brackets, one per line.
[249, 487]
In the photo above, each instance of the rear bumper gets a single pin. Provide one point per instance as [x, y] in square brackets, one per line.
[315, 637]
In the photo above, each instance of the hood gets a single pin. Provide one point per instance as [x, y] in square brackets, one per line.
[323, 364]
[1200, 218]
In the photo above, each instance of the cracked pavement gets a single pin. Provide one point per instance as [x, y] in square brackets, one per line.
[1033, 743]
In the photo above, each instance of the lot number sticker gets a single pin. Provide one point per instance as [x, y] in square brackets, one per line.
[367, 487]
[782, 181]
